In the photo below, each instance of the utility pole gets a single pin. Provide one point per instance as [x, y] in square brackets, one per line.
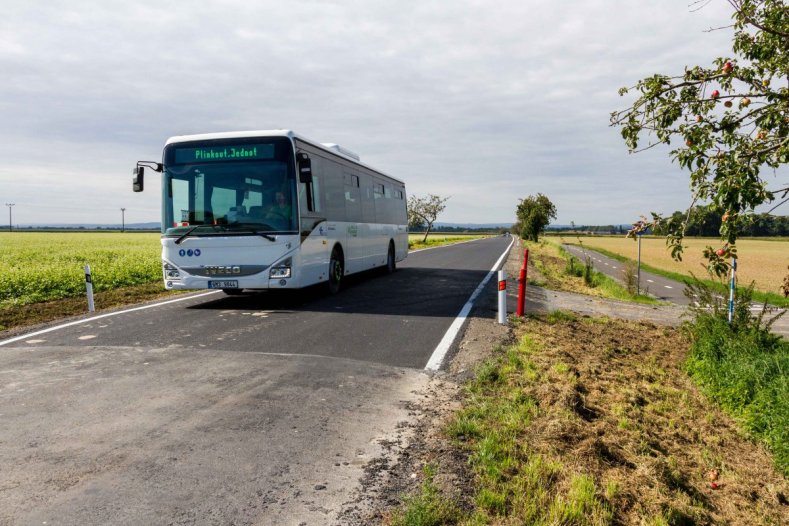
[123, 219]
[10, 223]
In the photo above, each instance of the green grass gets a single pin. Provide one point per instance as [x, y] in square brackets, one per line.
[721, 287]
[745, 369]
[515, 483]
[427, 507]
[36, 267]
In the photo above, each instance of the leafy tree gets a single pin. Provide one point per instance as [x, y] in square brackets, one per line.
[424, 211]
[534, 214]
[731, 121]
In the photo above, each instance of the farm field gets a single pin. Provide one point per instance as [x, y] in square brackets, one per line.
[43, 266]
[764, 261]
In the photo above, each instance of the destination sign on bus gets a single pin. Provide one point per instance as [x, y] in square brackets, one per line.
[224, 153]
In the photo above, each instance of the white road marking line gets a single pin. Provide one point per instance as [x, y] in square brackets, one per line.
[434, 364]
[613, 267]
[668, 286]
[87, 337]
[35, 341]
[78, 322]
[649, 280]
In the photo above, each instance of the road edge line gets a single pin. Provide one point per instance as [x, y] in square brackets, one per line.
[100, 316]
[440, 352]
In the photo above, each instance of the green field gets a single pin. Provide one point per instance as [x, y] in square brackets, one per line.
[41, 266]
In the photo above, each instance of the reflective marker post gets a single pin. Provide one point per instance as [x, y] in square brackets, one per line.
[731, 288]
[638, 272]
[89, 287]
[502, 298]
[522, 284]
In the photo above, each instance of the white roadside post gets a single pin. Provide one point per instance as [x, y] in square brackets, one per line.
[89, 287]
[731, 288]
[502, 319]
[638, 272]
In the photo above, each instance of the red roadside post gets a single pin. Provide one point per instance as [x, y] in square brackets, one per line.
[522, 283]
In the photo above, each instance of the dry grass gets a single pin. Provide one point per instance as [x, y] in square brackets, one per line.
[617, 405]
[606, 403]
[763, 261]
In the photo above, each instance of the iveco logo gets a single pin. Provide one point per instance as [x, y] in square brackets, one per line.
[213, 270]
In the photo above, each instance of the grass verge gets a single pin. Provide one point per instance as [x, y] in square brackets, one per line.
[32, 314]
[591, 421]
[744, 367]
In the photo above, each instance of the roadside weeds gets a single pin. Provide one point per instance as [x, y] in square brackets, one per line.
[591, 421]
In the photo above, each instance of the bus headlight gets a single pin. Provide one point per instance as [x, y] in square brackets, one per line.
[171, 273]
[281, 270]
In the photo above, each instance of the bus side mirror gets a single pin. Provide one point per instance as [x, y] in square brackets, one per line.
[137, 178]
[305, 168]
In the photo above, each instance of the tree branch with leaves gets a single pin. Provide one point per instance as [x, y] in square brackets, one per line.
[731, 121]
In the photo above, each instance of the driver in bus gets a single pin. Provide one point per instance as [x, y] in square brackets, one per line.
[280, 211]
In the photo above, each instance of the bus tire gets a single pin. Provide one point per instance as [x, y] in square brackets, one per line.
[336, 270]
[391, 263]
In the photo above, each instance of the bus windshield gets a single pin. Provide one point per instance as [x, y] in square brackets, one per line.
[229, 187]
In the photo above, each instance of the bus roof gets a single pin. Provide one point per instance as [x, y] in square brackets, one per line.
[333, 149]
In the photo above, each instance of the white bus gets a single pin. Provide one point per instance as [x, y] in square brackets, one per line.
[273, 210]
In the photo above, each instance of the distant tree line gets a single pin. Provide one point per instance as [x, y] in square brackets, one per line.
[595, 229]
[707, 221]
[460, 229]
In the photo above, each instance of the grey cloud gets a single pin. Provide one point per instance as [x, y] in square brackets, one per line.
[486, 102]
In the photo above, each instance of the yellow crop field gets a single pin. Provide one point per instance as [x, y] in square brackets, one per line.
[41, 266]
[764, 261]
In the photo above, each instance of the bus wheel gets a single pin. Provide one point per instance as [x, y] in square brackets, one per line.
[336, 271]
[233, 292]
[391, 264]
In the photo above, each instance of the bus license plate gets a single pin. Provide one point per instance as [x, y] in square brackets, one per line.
[225, 284]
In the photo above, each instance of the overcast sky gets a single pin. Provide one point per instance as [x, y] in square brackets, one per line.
[486, 102]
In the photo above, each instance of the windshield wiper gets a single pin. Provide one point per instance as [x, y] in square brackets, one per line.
[263, 234]
[253, 230]
[186, 234]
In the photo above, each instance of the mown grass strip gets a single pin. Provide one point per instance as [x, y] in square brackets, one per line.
[515, 481]
[590, 421]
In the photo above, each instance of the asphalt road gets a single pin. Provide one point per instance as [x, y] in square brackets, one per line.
[662, 288]
[258, 409]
